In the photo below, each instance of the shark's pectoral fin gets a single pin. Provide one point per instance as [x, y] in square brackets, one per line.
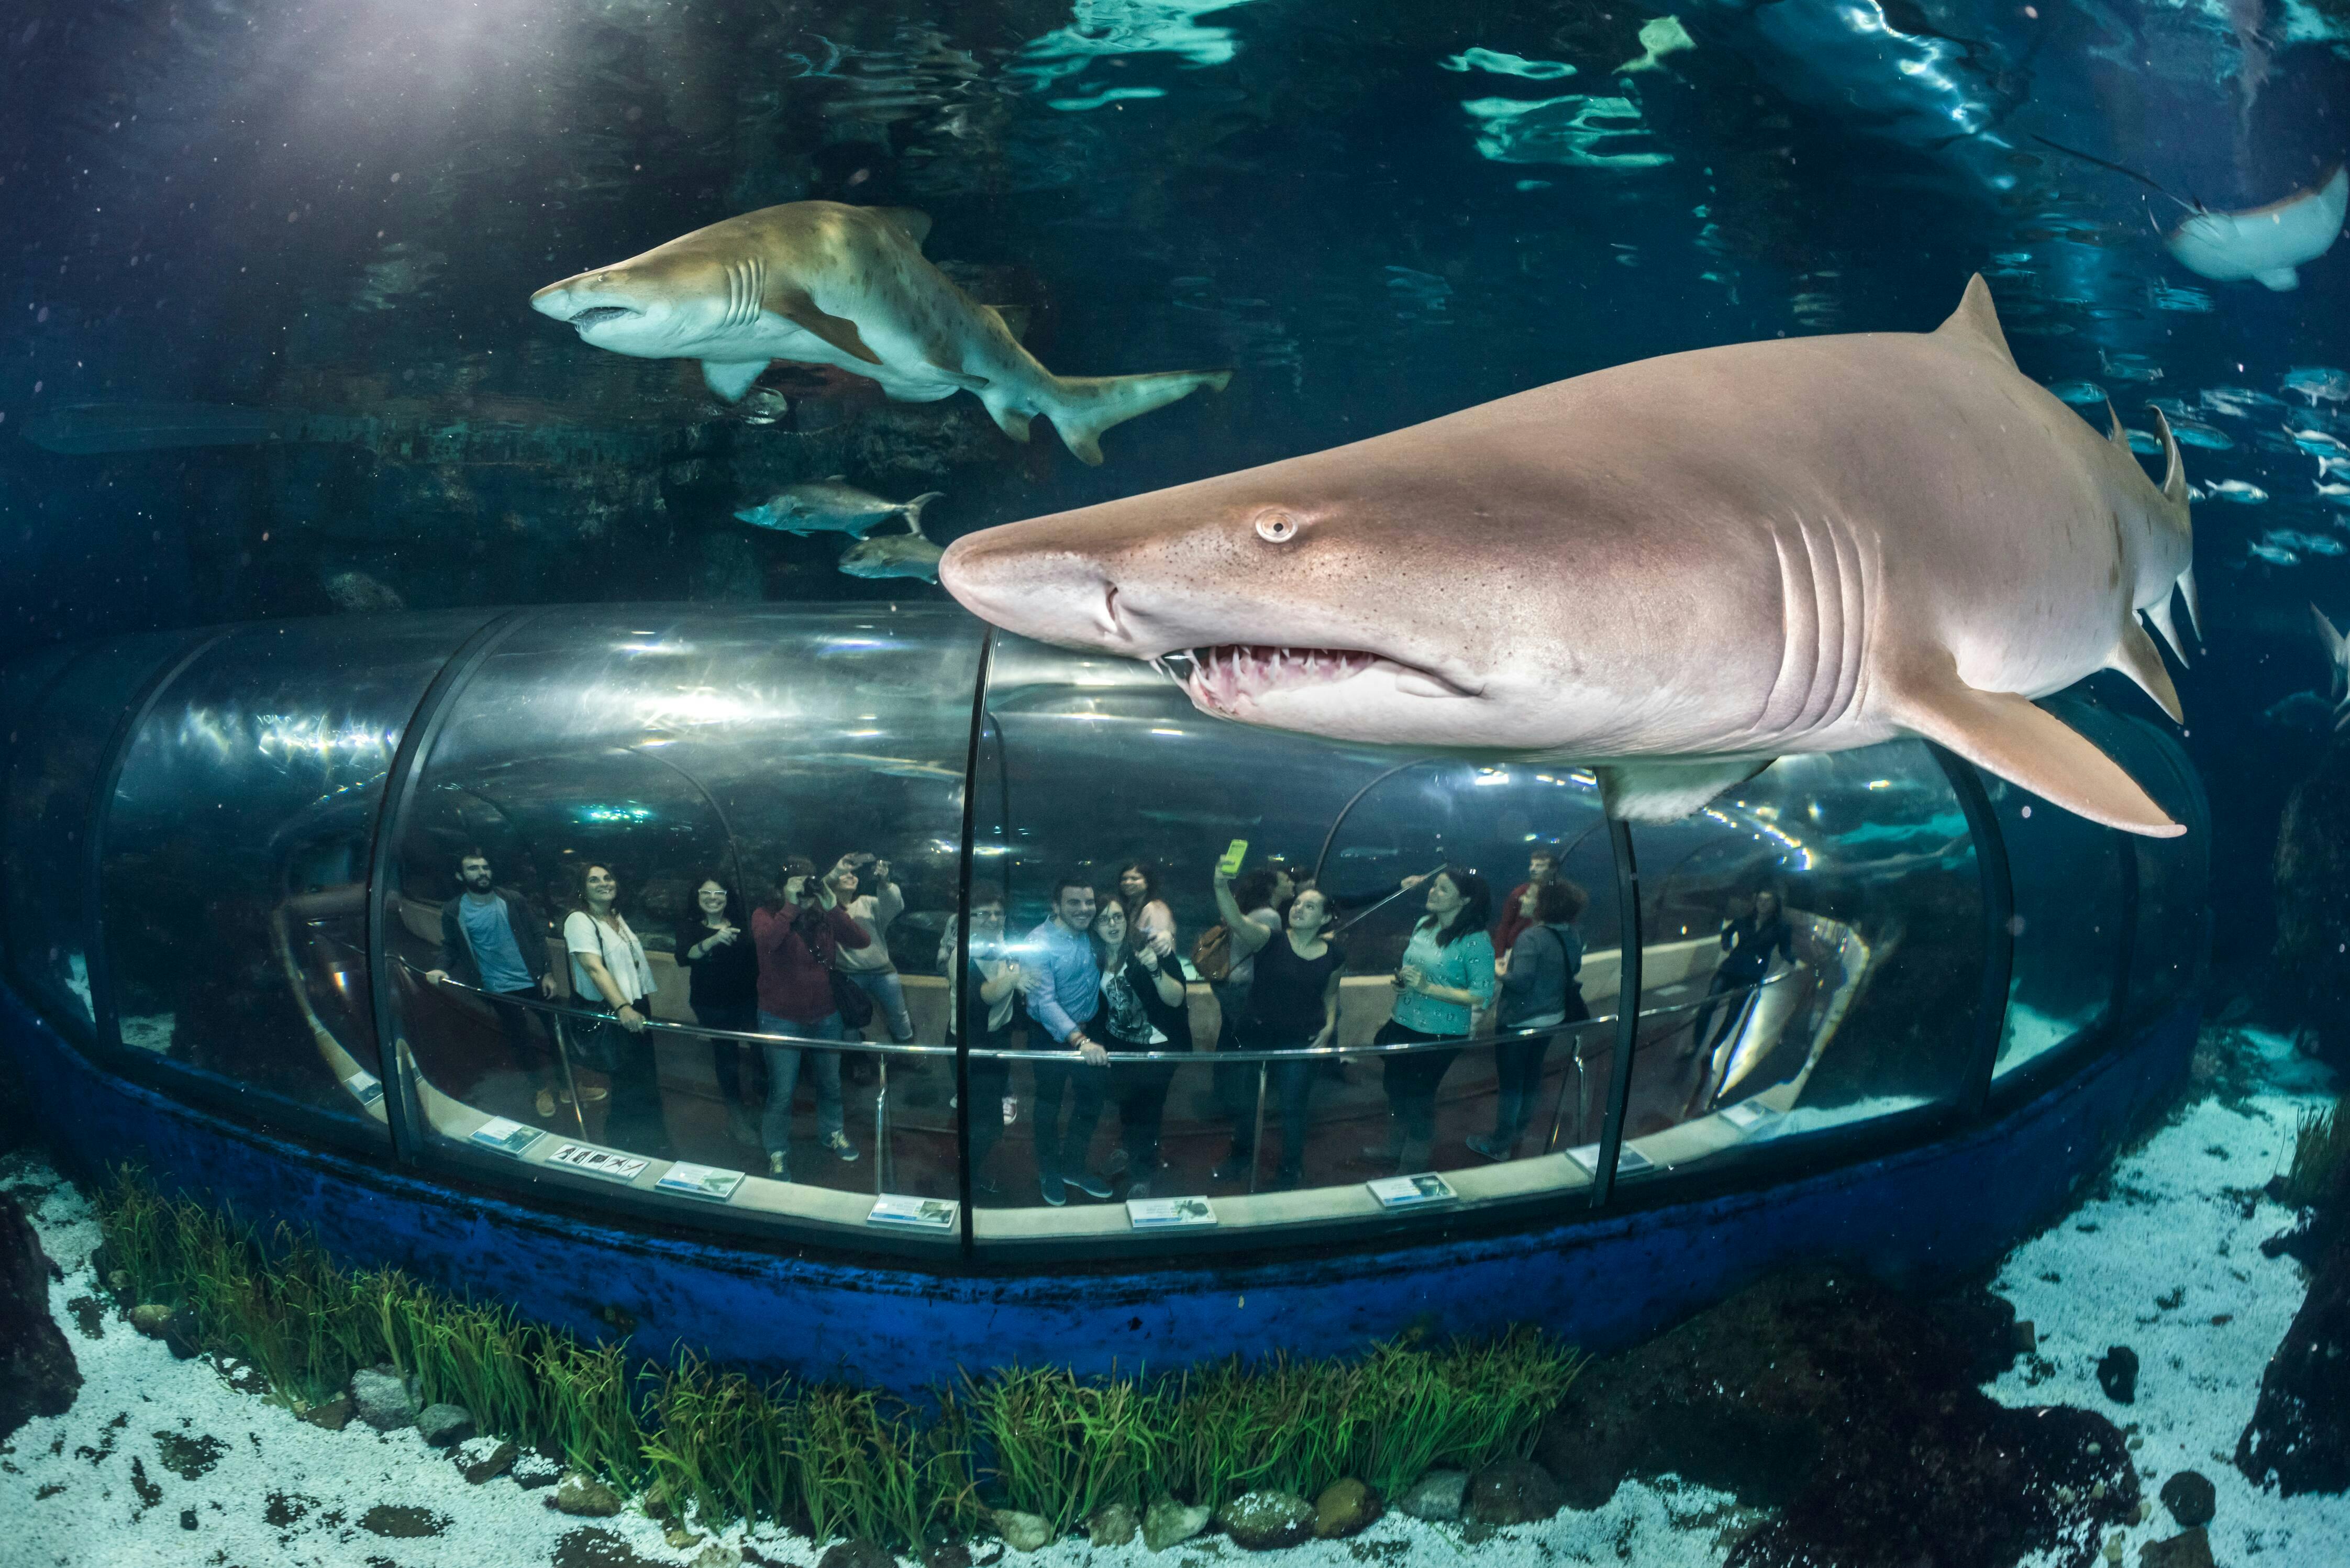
[1666, 791]
[731, 378]
[801, 311]
[2005, 734]
[2282, 279]
[2136, 657]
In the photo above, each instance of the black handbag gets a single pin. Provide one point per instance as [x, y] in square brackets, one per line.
[592, 1041]
[848, 998]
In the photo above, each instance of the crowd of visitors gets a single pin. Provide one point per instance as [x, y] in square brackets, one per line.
[1102, 986]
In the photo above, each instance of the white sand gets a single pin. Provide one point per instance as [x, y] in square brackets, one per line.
[2170, 1226]
[2171, 1217]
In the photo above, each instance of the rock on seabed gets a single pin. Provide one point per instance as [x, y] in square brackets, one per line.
[38, 1375]
[1167, 1523]
[1267, 1521]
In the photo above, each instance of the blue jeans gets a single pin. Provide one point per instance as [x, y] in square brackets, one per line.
[1086, 1086]
[888, 994]
[784, 1080]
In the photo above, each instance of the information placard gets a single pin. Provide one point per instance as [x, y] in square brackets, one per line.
[699, 1181]
[505, 1136]
[608, 1164]
[1168, 1213]
[1412, 1191]
[1629, 1161]
[914, 1213]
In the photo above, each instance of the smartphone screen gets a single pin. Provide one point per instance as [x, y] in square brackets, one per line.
[1235, 853]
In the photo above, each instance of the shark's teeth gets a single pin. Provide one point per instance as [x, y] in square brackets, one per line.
[1223, 675]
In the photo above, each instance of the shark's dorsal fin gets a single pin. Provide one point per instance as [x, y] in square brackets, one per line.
[913, 221]
[1976, 320]
[797, 308]
[2114, 433]
[2160, 614]
[1014, 318]
[2005, 734]
[2136, 657]
[2174, 466]
[2334, 651]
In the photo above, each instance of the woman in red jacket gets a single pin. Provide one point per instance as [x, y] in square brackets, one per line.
[795, 937]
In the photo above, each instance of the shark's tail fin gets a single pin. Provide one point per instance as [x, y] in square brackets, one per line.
[913, 509]
[1082, 406]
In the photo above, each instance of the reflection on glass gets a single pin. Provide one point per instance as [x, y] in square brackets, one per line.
[1814, 950]
[729, 844]
[63, 719]
[2067, 874]
[237, 852]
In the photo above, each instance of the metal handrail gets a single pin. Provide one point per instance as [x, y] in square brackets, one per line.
[891, 1047]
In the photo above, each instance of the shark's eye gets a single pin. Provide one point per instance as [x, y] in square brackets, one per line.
[1277, 527]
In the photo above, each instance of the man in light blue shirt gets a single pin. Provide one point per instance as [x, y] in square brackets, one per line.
[492, 940]
[1064, 994]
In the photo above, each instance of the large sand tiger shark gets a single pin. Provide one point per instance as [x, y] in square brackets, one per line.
[1674, 571]
[825, 284]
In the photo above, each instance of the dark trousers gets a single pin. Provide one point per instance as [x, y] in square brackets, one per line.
[991, 1085]
[633, 1121]
[1141, 1089]
[1412, 1082]
[1086, 1088]
[529, 1038]
[1291, 1086]
[1517, 1071]
[1725, 980]
[730, 1059]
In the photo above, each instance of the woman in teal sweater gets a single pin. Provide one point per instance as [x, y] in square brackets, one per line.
[1445, 979]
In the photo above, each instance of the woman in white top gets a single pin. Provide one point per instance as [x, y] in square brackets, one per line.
[610, 982]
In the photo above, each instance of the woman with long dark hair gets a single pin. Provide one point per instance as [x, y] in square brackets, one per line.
[723, 986]
[1138, 894]
[1143, 1009]
[1445, 979]
[1292, 1005]
[611, 979]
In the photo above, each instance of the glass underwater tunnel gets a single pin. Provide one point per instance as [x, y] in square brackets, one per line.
[233, 883]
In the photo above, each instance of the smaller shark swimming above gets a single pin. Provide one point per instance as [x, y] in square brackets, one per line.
[1674, 571]
[825, 284]
[833, 506]
[2268, 243]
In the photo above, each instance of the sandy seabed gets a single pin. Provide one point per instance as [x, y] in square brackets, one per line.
[2164, 1257]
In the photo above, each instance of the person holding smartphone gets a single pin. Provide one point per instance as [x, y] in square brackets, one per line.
[869, 968]
[796, 938]
[1292, 1005]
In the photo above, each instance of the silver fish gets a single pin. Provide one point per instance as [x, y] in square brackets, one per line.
[2276, 555]
[2237, 491]
[833, 506]
[2317, 381]
[893, 555]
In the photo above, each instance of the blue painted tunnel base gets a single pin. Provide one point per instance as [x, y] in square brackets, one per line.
[1920, 1216]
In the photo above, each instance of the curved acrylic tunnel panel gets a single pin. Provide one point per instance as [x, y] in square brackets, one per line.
[57, 752]
[671, 747]
[2069, 923]
[1088, 764]
[235, 859]
[1857, 1007]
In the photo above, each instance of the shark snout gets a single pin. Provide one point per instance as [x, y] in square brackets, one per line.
[1055, 594]
[582, 301]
